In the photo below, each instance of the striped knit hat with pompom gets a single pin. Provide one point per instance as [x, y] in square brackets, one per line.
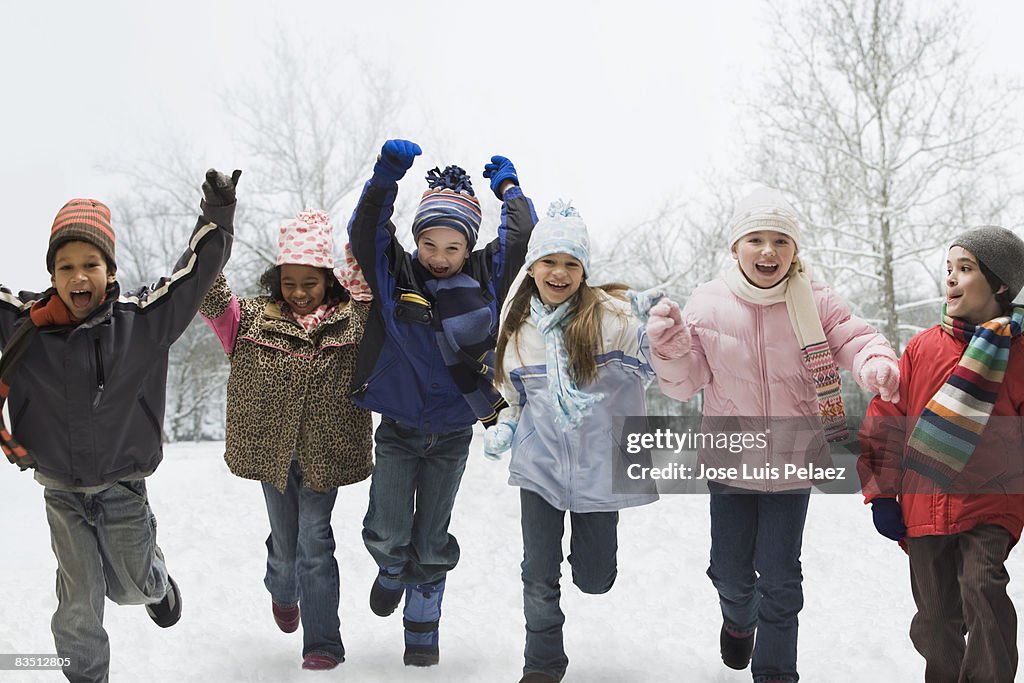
[449, 202]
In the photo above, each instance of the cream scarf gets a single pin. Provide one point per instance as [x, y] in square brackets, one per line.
[795, 290]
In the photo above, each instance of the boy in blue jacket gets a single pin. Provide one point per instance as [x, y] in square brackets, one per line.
[85, 371]
[426, 365]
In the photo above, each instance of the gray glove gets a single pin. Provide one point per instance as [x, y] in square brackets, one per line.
[218, 189]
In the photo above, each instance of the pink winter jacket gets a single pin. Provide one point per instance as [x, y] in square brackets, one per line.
[746, 358]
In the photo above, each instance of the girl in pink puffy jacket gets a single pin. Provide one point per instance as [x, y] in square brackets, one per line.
[765, 343]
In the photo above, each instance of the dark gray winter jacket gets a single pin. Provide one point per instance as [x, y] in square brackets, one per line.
[88, 401]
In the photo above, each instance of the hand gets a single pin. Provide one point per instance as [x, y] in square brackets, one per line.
[669, 335]
[881, 375]
[396, 157]
[888, 518]
[499, 170]
[218, 189]
[498, 439]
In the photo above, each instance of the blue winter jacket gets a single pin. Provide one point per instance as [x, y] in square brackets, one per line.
[88, 401]
[400, 372]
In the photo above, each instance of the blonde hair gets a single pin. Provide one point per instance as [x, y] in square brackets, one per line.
[581, 334]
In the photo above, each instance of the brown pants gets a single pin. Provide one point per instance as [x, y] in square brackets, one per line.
[959, 585]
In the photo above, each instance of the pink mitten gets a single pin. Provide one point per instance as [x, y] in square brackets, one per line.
[881, 375]
[670, 337]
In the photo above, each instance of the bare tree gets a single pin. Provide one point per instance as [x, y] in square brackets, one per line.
[875, 120]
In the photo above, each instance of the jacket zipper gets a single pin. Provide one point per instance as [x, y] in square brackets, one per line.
[100, 380]
[764, 387]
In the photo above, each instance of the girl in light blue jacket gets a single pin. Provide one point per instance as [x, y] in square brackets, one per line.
[571, 363]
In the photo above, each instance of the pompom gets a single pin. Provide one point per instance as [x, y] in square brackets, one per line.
[313, 217]
[558, 208]
[451, 178]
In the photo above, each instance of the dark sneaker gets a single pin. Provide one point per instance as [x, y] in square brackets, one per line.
[538, 677]
[736, 650]
[166, 612]
[287, 618]
[315, 661]
[386, 593]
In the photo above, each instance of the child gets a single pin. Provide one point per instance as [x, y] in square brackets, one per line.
[290, 423]
[764, 342]
[569, 363]
[424, 366]
[85, 370]
[940, 487]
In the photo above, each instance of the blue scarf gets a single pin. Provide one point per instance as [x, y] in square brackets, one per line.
[570, 404]
[465, 330]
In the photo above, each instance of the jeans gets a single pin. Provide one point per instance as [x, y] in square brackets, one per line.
[959, 584]
[755, 566]
[592, 556]
[300, 561]
[105, 544]
[415, 478]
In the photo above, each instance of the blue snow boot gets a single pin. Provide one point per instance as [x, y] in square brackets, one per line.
[386, 592]
[422, 615]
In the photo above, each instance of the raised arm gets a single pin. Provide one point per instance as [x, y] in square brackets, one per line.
[166, 307]
[508, 249]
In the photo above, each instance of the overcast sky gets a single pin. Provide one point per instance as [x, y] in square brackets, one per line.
[616, 105]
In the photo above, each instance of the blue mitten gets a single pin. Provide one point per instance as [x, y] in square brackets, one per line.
[888, 517]
[499, 170]
[396, 157]
[498, 439]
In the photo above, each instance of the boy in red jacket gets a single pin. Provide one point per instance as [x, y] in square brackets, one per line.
[946, 483]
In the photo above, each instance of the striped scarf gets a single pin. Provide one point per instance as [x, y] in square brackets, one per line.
[795, 290]
[49, 310]
[952, 423]
[465, 331]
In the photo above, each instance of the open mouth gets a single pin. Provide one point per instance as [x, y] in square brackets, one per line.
[557, 286]
[80, 298]
[438, 270]
[766, 268]
[301, 304]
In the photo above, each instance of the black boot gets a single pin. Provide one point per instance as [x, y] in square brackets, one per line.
[736, 651]
[386, 593]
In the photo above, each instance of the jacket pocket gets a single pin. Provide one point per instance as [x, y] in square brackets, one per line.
[157, 429]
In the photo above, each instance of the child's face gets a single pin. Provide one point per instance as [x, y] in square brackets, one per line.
[442, 251]
[765, 256]
[968, 294]
[80, 277]
[558, 277]
[303, 287]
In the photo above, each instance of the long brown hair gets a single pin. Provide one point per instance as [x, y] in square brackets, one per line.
[582, 335]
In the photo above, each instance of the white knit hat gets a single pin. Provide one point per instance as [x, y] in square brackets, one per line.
[764, 209]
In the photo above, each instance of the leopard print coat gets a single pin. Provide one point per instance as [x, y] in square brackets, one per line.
[288, 391]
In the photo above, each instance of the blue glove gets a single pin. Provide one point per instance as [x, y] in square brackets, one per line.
[396, 157]
[499, 170]
[888, 517]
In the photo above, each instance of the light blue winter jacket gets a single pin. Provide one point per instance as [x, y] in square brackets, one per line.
[573, 469]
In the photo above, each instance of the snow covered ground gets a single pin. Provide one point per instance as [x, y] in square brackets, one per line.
[659, 623]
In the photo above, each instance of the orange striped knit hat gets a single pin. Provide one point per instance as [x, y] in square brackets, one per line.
[86, 220]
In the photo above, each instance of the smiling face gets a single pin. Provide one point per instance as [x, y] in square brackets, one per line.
[968, 294]
[303, 287]
[80, 277]
[558, 277]
[765, 256]
[442, 251]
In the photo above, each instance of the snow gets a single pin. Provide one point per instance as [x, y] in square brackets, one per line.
[659, 622]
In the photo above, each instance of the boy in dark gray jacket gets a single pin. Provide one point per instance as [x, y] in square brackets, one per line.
[85, 371]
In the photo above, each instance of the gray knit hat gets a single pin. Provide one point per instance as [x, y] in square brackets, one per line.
[1000, 250]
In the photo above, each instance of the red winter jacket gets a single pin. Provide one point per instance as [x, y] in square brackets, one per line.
[997, 463]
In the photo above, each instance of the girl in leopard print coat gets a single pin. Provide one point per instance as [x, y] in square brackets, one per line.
[290, 423]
